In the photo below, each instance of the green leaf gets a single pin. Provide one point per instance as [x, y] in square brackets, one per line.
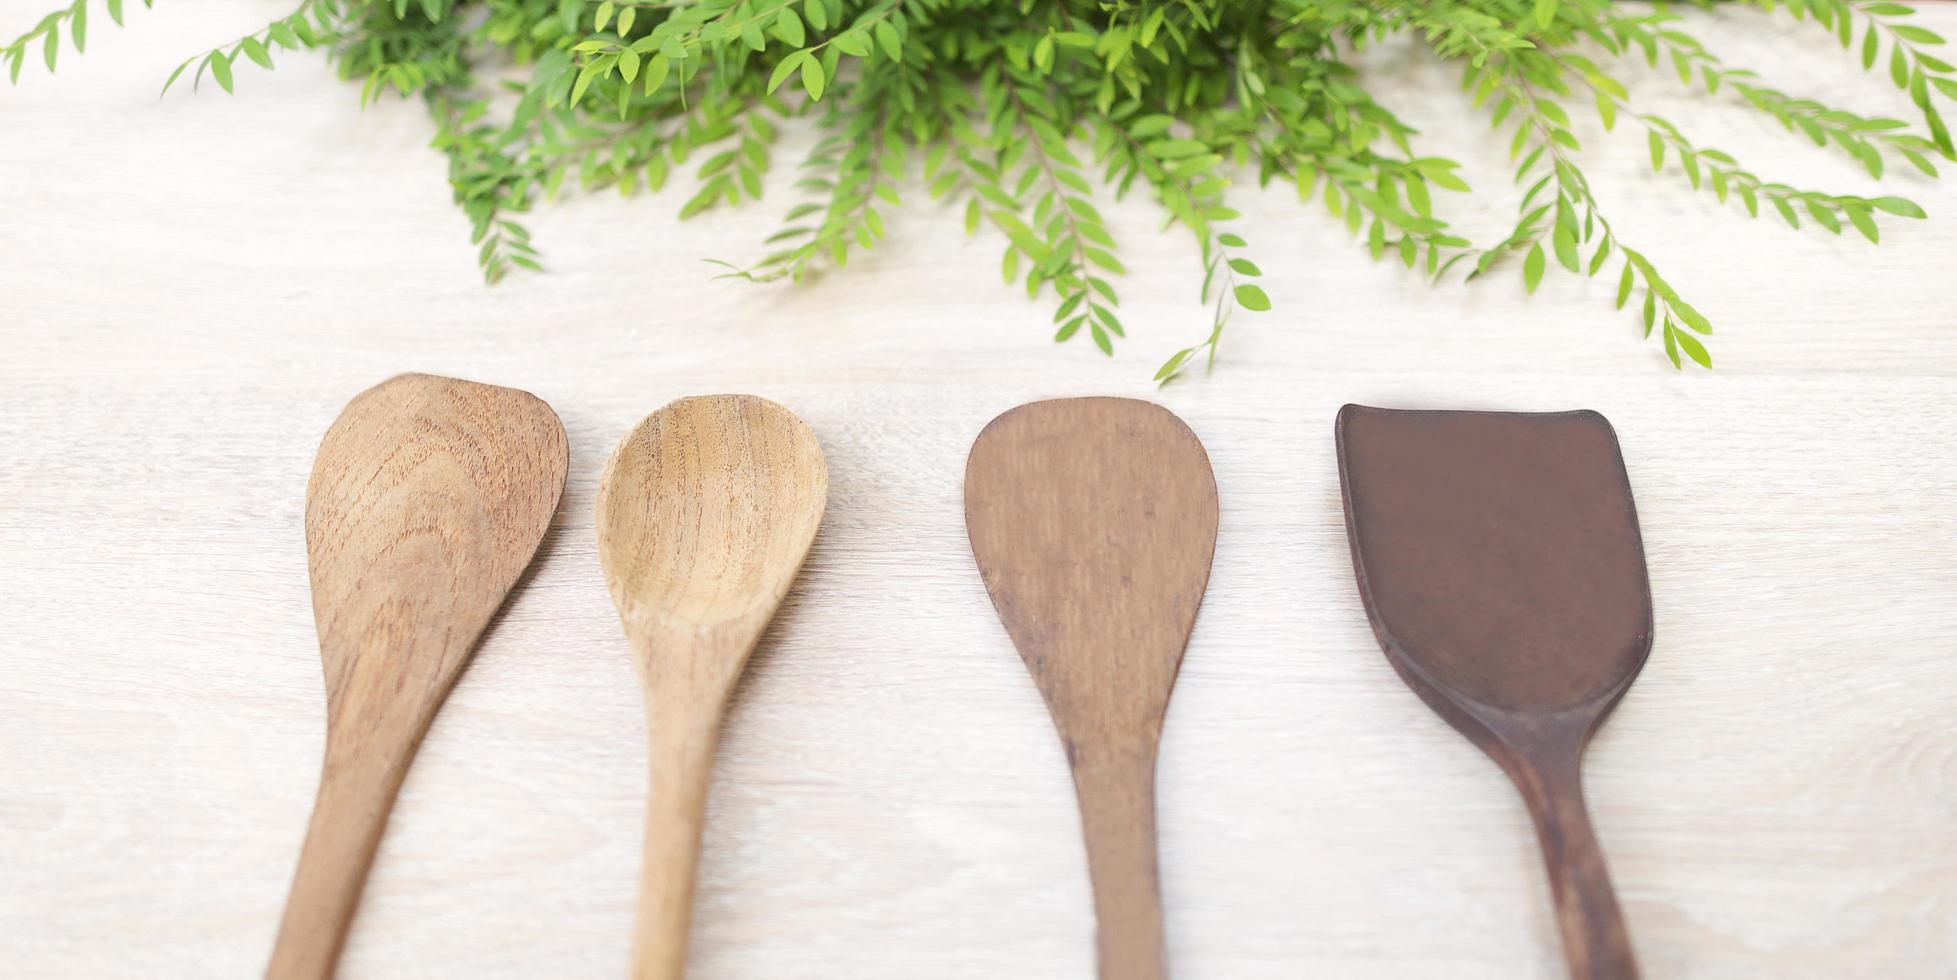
[889, 41]
[1657, 150]
[1693, 349]
[1176, 149]
[1824, 217]
[1532, 268]
[1245, 267]
[173, 77]
[1173, 364]
[656, 71]
[1624, 286]
[1898, 206]
[1859, 217]
[812, 77]
[788, 27]
[255, 50]
[784, 69]
[585, 76]
[1250, 297]
[856, 44]
[1545, 13]
[220, 69]
[1691, 317]
[603, 17]
[1565, 244]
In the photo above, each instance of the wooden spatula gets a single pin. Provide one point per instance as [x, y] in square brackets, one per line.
[1499, 559]
[428, 498]
[705, 512]
[1094, 521]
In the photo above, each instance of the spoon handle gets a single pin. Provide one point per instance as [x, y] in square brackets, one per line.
[682, 719]
[1116, 786]
[356, 791]
[1595, 942]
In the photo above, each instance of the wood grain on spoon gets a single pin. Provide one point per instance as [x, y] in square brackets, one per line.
[1094, 522]
[1499, 559]
[705, 512]
[428, 498]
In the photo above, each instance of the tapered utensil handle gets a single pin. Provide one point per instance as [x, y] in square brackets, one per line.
[356, 791]
[681, 731]
[1116, 785]
[1595, 941]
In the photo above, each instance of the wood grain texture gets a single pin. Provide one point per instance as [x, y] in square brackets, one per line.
[705, 513]
[1094, 522]
[1499, 560]
[428, 498]
[191, 289]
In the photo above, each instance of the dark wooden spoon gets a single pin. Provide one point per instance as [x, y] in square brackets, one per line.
[1094, 521]
[1499, 559]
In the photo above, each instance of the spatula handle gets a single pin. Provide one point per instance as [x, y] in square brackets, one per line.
[1595, 941]
[1116, 785]
[356, 791]
[680, 755]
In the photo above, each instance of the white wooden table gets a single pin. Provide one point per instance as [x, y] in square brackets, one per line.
[190, 290]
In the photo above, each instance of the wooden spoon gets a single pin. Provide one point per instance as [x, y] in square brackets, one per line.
[705, 512]
[428, 498]
[1094, 521]
[1499, 559]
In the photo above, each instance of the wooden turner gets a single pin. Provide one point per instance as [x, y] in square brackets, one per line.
[1094, 521]
[705, 512]
[1499, 560]
[428, 498]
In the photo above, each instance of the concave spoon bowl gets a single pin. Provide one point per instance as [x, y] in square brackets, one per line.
[1499, 559]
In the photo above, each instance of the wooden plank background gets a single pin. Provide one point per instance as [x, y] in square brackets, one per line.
[191, 289]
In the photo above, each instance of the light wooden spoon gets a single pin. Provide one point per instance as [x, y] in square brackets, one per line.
[429, 496]
[705, 512]
[1094, 521]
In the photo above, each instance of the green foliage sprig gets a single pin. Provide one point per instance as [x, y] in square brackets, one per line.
[1022, 113]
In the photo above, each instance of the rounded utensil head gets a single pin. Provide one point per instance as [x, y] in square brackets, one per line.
[1094, 522]
[707, 509]
[428, 498]
[1498, 554]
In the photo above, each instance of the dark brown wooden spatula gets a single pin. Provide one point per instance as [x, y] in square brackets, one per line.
[1093, 521]
[1499, 559]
